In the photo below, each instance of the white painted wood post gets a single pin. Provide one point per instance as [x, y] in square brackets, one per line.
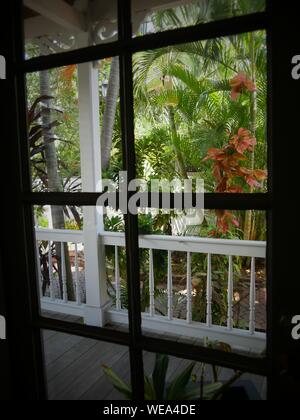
[189, 289]
[170, 287]
[151, 284]
[252, 297]
[51, 280]
[64, 273]
[117, 280]
[95, 273]
[39, 274]
[39, 271]
[209, 293]
[77, 281]
[230, 295]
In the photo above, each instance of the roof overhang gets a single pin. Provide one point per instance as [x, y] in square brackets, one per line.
[44, 17]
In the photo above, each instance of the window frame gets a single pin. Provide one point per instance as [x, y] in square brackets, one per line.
[125, 47]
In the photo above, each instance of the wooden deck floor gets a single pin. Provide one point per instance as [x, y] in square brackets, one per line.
[74, 367]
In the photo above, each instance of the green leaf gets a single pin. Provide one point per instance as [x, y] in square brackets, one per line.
[177, 388]
[149, 389]
[191, 394]
[159, 375]
[210, 390]
[117, 382]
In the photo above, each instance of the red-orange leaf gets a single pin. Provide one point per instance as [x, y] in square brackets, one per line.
[235, 189]
[68, 72]
[243, 141]
[260, 174]
[239, 84]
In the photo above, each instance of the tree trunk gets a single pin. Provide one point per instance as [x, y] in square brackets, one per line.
[249, 219]
[54, 181]
[110, 113]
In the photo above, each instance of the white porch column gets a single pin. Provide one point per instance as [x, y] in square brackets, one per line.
[95, 273]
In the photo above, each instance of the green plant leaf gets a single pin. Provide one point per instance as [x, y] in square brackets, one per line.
[159, 375]
[191, 394]
[177, 388]
[149, 389]
[210, 390]
[117, 382]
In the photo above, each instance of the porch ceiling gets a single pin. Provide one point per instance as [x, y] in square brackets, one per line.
[70, 16]
[29, 13]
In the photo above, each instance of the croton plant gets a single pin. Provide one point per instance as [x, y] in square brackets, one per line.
[230, 170]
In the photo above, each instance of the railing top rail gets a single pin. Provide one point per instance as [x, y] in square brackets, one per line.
[192, 244]
[165, 242]
[59, 235]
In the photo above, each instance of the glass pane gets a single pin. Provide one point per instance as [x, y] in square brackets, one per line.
[161, 15]
[59, 217]
[200, 112]
[233, 243]
[113, 238]
[54, 27]
[78, 368]
[74, 126]
[60, 251]
[205, 382]
[205, 281]
[81, 273]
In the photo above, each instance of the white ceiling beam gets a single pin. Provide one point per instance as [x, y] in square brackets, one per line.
[60, 13]
[40, 26]
[154, 5]
[105, 10]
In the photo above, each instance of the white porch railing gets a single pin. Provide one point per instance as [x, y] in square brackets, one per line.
[240, 339]
[248, 339]
[54, 302]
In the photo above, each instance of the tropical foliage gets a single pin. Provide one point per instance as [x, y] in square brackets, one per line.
[200, 108]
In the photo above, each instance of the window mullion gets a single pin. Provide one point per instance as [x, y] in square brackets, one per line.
[131, 221]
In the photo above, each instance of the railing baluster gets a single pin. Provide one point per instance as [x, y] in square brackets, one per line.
[189, 288]
[230, 294]
[252, 297]
[151, 284]
[117, 280]
[50, 264]
[209, 293]
[77, 281]
[39, 271]
[170, 287]
[64, 273]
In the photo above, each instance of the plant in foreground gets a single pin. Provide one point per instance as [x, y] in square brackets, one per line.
[183, 387]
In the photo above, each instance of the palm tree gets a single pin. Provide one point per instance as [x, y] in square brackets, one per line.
[196, 91]
[109, 116]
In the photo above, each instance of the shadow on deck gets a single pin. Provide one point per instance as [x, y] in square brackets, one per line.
[74, 367]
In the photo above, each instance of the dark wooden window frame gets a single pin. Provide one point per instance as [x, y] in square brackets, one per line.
[25, 199]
